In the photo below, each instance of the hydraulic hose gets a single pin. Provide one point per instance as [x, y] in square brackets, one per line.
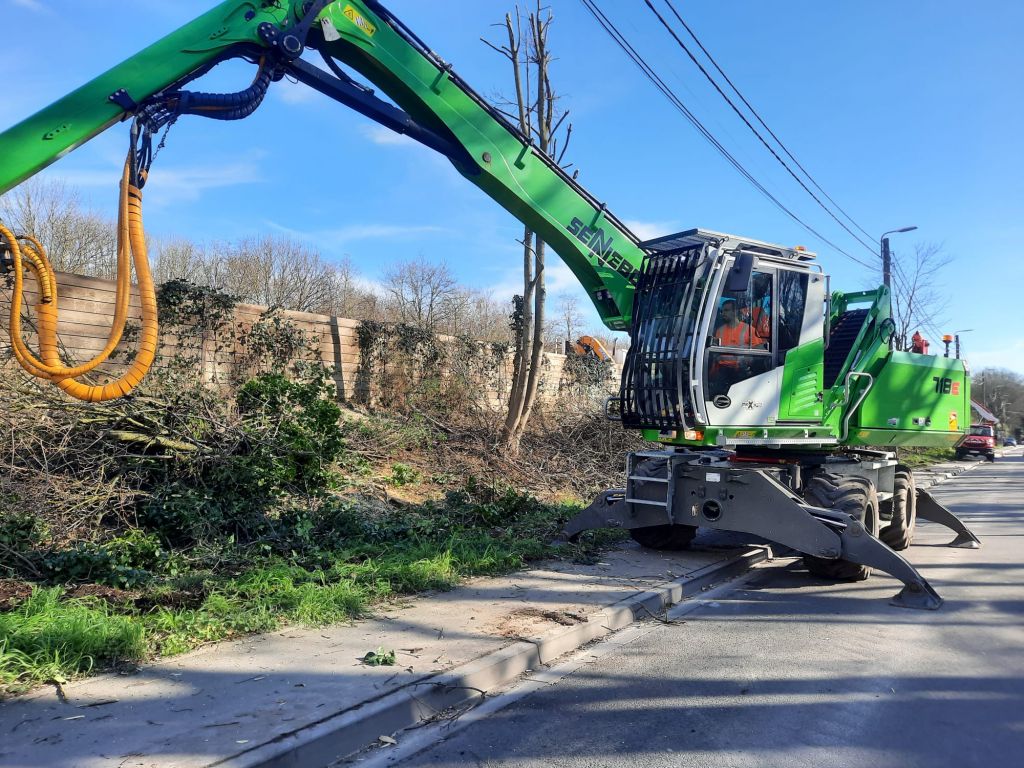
[131, 249]
[131, 244]
[218, 106]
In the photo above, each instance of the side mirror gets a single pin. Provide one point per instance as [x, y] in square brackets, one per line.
[738, 279]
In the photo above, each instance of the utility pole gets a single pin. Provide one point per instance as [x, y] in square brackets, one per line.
[887, 255]
[886, 264]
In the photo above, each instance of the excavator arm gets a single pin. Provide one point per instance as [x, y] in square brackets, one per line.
[434, 107]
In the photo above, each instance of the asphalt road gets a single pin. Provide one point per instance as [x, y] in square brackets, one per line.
[788, 671]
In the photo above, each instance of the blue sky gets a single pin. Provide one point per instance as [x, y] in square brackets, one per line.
[906, 113]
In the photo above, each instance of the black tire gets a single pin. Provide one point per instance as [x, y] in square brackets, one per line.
[960, 455]
[991, 457]
[855, 496]
[670, 538]
[899, 532]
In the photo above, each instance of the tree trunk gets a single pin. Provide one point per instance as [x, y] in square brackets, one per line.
[534, 104]
[537, 353]
[524, 341]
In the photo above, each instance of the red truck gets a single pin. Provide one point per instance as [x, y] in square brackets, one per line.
[980, 440]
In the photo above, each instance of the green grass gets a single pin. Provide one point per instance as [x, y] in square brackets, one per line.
[916, 458]
[50, 638]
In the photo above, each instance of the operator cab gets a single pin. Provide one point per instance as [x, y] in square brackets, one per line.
[716, 320]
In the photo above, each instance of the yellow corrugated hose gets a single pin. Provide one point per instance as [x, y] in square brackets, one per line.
[131, 248]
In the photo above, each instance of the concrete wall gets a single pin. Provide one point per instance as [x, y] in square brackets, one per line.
[86, 307]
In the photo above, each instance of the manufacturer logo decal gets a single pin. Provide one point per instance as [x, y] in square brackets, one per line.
[602, 248]
[356, 18]
[752, 404]
[722, 401]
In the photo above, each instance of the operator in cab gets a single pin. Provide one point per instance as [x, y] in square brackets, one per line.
[734, 332]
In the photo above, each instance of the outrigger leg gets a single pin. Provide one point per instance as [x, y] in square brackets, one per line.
[860, 547]
[929, 509]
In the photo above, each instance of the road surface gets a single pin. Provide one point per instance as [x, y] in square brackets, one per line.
[788, 671]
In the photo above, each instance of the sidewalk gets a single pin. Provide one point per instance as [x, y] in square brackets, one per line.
[303, 697]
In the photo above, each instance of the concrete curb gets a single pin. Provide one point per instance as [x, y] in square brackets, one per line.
[928, 477]
[344, 733]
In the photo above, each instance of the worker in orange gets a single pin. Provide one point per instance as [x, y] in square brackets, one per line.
[734, 332]
[728, 368]
[757, 313]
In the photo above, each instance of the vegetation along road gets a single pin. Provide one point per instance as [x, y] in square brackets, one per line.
[783, 671]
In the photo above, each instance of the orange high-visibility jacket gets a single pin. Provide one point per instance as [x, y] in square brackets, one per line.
[739, 335]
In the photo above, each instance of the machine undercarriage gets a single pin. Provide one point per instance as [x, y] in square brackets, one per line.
[839, 510]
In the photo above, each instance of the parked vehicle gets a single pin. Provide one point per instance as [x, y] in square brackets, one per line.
[980, 441]
[1010, 442]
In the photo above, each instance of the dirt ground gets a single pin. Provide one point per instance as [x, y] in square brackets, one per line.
[13, 593]
[530, 622]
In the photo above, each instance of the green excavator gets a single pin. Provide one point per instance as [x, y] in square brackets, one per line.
[779, 404]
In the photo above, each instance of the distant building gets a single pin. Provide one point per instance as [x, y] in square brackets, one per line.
[982, 415]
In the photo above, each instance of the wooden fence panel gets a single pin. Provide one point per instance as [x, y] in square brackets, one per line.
[86, 309]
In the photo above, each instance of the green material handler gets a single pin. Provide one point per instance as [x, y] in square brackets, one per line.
[779, 404]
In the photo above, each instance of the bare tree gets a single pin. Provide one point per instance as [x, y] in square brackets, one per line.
[534, 109]
[568, 319]
[422, 293]
[181, 259]
[1002, 392]
[351, 296]
[479, 316]
[76, 239]
[277, 272]
[918, 299]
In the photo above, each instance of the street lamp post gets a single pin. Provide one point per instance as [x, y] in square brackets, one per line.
[887, 255]
[956, 337]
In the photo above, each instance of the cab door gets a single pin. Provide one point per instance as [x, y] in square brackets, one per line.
[763, 350]
[742, 380]
[801, 347]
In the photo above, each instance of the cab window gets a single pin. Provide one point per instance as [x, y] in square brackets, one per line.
[792, 303]
[741, 341]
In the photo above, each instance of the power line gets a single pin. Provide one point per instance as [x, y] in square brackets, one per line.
[754, 130]
[674, 99]
[755, 113]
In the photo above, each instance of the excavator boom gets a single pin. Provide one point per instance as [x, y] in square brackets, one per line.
[435, 107]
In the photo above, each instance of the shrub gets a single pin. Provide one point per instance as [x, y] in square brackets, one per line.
[125, 561]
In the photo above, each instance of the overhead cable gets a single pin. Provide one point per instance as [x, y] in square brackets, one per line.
[674, 99]
[754, 130]
[755, 113]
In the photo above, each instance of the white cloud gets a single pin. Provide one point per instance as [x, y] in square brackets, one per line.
[168, 184]
[369, 285]
[340, 235]
[1009, 356]
[558, 278]
[33, 5]
[378, 134]
[380, 231]
[648, 230]
[295, 93]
